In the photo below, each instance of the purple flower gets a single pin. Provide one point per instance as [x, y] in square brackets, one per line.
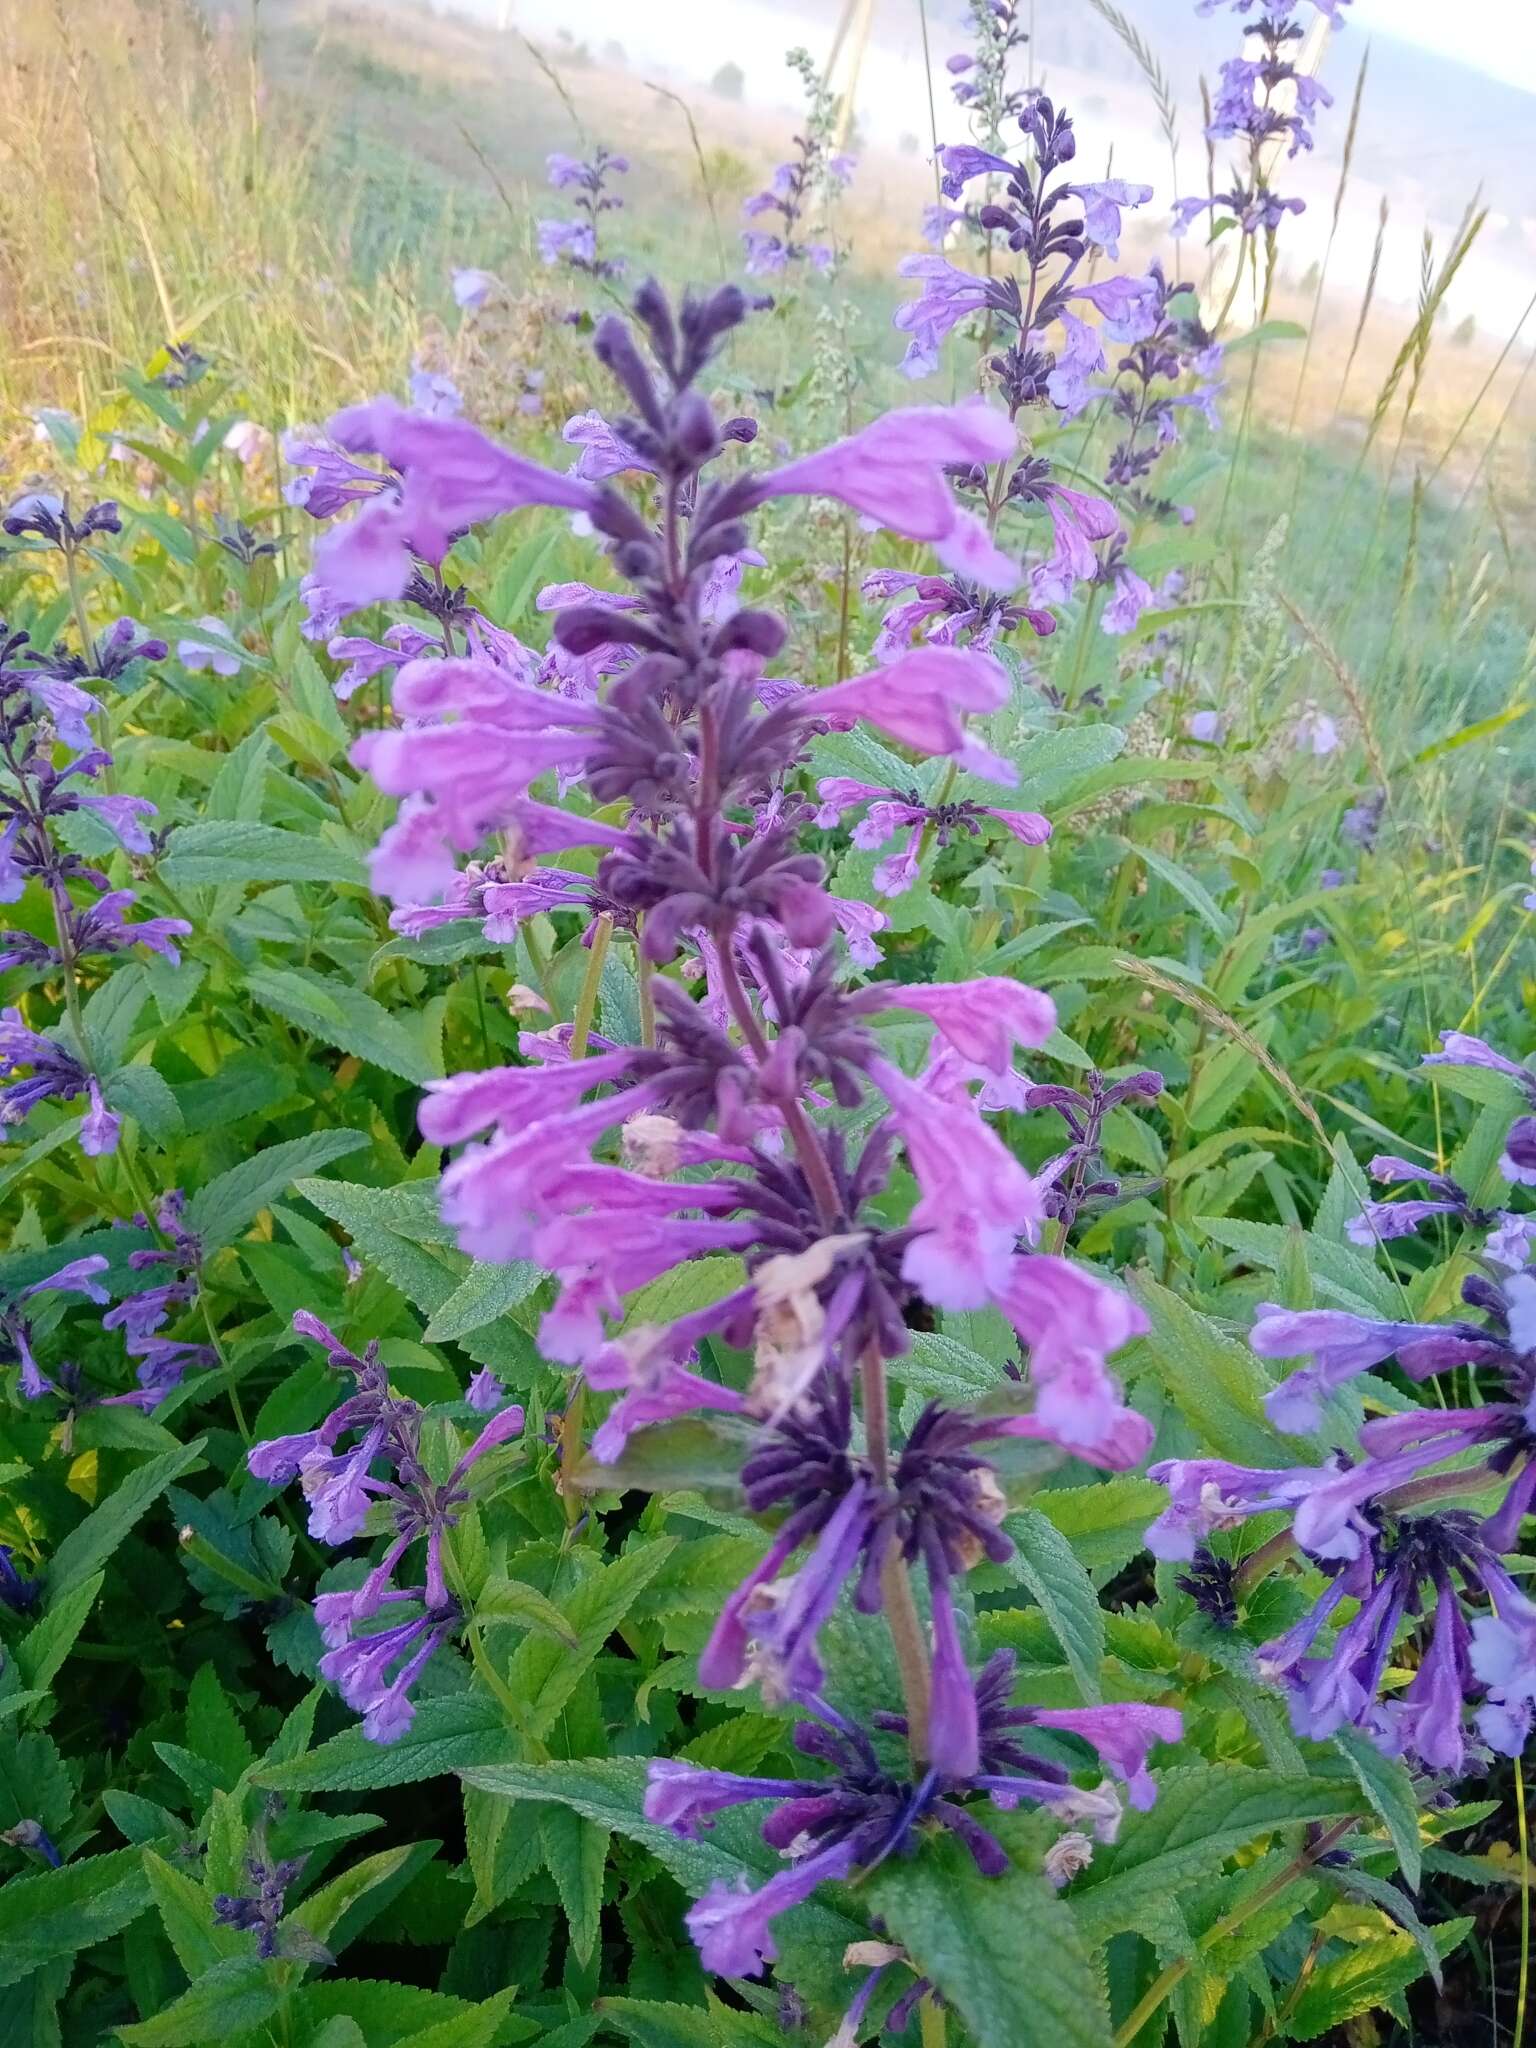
[1342, 1347]
[1460, 1049]
[451, 478]
[893, 471]
[983, 1019]
[603, 452]
[471, 288]
[1102, 204]
[962, 162]
[948, 296]
[205, 654]
[1518, 1163]
[1130, 306]
[434, 392]
[567, 241]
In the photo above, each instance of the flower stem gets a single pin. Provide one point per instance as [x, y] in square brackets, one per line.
[586, 1002]
[907, 1637]
[1180, 1967]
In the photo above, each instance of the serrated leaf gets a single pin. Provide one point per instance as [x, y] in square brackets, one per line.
[1386, 1784]
[448, 1734]
[392, 2015]
[342, 1016]
[1047, 1564]
[1105, 1524]
[1363, 1979]
[652, 2024]
[48, 1642]
[510, 1600]
[145, 1095]
[1204, 1812]
[88, 1546]
[1215, 1382]
[325, 1911]
[543, 1673]
[238, 1993]
[60, 1912]
[484, 1294]
[222, 1209]
[218, 850]
[1004, 1951]
[576, 1855]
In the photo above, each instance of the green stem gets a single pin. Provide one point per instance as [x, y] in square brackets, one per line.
[586, 1002]
[1162, 1987]
[895, 1578]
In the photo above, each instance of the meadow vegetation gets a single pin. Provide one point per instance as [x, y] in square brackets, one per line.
[1221, 828]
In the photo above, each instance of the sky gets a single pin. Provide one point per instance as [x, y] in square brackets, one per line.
[1504, 44]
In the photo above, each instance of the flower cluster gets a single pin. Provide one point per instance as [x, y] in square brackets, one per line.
[44, 712]
[1262, 100]
[374, 1668]
[575, 243]
[1041, 228]
[720, 1114]
[79, 1276]
[800, 190]
[1368, 1520]
[161, 1361]
[862, 1810]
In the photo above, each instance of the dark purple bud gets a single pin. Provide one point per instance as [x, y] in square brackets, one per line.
[739, 429]
[759, 633]
[583, 628]
[614, 348]
[695, 435]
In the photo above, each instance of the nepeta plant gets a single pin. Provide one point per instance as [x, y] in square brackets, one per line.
[1370, 1521]
[1261, 102]
[801, 190]
[574, 243]
[764, 1123]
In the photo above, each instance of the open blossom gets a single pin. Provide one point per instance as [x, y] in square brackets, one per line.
[375, 1668]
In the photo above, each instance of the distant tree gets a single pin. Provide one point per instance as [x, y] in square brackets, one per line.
[909, 144]
[729, 82]
[1465, 333]
[614, 53]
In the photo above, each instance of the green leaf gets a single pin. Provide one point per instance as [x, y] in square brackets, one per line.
[222, 1209]
[60, 1912]
[1004, 1951]
[449, 1734]
[1216, 1383]
[1046, 1562]
[1204, 1812]
[510, 1600]
[342, 1016]
[1387, 1785]
[1104, 1524]
[322, 1913]
[1363, 1979]
[48, 1642]
[392, 2015]
[145, 1095]
[88, 1546]
[218, 850]
[484, 1294]
[576, 1855]
[543, 1673]
[213, 1727]
[1183, 883]
[111, 1014]
[654, 2025]
[236, 1994]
